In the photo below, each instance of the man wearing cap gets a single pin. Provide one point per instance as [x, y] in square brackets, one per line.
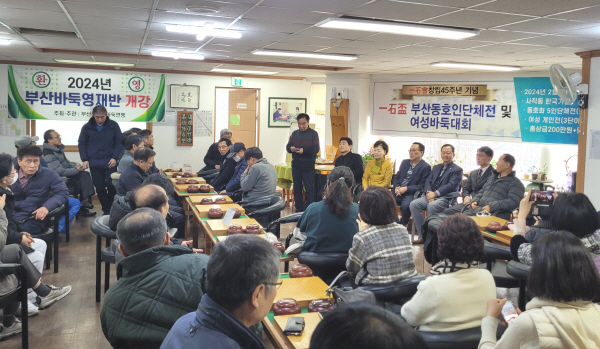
[234, 183]
[213, 158]
[236, 152]
[24, 140]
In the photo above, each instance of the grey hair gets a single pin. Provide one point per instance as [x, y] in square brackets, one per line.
[237, 266]
[225, 131]
[142, 229]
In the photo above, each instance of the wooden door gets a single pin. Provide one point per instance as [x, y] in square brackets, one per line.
[243, 120]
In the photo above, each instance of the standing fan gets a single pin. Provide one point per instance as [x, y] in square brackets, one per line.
[567, 86]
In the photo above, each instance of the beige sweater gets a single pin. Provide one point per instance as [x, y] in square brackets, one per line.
[547, 325]
[450, 302]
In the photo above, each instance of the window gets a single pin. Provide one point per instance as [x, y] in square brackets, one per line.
[69, 130]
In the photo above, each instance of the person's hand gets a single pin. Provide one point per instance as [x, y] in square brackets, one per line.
[486, 208]
[525, 205]
[431, 200]
[430, 195]
[40, 213]
[80, 168]
[494, 307]
[223, 192]
[189, 243]
[300, 151]
[293, 149]
[85, 164]
[361, 225]
[3, 201]
[247, 169]
[397, 191]
[112, 163]
[26, 239]
[467, 200]
[474, 205]
[403, 190]
[217, 167]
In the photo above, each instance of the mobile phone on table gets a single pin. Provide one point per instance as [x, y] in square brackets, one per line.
[509, 312]
[544, 196]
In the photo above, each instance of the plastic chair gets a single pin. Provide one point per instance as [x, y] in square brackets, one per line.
[497, 259]
[397, 292]
[51, 233]
[520, 272]
[265, 210]
[208, 174]
[106, 255]
[19, 294]
[463, 339]
[325, 265]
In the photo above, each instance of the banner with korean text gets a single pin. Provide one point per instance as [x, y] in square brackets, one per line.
[70, 94]
[465, 110]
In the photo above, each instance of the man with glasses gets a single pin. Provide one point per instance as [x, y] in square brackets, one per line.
[160, 282]
[476, 180]
[99, 148]
[304, 146]
[242, 278]
[409, 179]
[441, 187]
[54, 153]
[214, 158]
[133, 176]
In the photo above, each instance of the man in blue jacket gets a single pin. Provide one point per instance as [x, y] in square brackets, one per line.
[99, 148]
[133, 176]
[241, 165]
[242, 278]
[38, 190]
[442, 186]
[411, 177]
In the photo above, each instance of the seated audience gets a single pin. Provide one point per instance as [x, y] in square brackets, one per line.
[441, 188]
[25, 140]
[476, 180]
[132, 143]
[148, 138]
[572, 212]
[123, 138]
[53, 152]
[329, 225]
[240, 167]
[501, 194]
[381, 251]
[351, 160]
[159, 283]
[378, 171]
[226, 172]
[228, 309]
[46, 294]
[454, 297]
[410, 178]
[34, 248]
[37, 190]
[214, 156]
[360, 325]
[133, 176]
[260, 177]
[564, 284]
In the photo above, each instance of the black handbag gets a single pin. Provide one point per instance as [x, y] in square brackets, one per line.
[349, 295]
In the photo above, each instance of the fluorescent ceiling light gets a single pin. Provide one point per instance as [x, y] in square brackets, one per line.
[338, 57]
[177, 55]
[402, 28]
[256, 72]
[204, 31]
[95, 63]
[476, 66]
[4, 42]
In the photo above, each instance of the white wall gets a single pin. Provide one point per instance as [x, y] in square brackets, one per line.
[271, 140]
[592, 166]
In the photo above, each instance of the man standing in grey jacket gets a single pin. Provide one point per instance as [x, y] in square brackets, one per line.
[260, 177]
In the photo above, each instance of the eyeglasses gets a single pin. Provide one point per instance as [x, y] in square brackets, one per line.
[447, 153]
[413, 150]
[278, 284]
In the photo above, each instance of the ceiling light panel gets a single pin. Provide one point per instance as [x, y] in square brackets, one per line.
[235, 71]
[400, 28]
[177, 55]
[476, 66]
[95, 63]
[279, 53]
[207, 30]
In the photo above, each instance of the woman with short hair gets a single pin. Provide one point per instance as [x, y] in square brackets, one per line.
[455, 296]
[564, 284]
[381, 251]
[379, 170]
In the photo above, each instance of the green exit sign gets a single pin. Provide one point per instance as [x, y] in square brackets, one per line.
[236, 81]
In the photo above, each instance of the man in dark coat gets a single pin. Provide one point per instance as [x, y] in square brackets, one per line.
[226, 312]
[37, 191]
[476, 181]
[213, 158]
[411, 177]
[99, 148]
[236, 152]
[160, 282]
[133, 176]
[351, 160]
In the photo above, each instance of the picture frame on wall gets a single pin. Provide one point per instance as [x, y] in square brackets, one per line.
[283, 111]
[185, 96]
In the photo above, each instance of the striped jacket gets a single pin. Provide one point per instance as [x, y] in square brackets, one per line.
[381, 254]
[591, 242]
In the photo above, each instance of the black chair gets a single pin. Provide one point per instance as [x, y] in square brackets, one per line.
[463, 339]
[19, 294]
[106, 255]
[208, 174]
[265, 210]
[397, 292]
[325, 265]
[520, 272]
[497, 259]
[51, 233]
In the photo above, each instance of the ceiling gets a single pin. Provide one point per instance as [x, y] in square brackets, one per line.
[529, 33]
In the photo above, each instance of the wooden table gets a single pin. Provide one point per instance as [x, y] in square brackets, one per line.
[216, 226]
[195, 200]
[203, 209]
[311, 320]
[303, 290]
[502, 236]
[200, 180]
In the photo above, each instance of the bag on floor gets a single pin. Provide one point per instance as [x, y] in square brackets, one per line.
[346, 295]
[74, 206]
